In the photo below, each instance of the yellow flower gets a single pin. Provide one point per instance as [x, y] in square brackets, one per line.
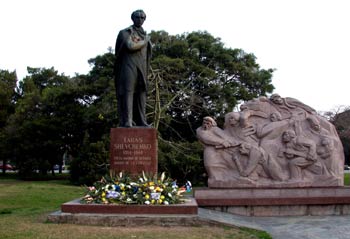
[103, 194]
[123, 193]
[162, 197]
[160, 201]
[151, 183]
[153, 201]
[147, 196]
[158, 189]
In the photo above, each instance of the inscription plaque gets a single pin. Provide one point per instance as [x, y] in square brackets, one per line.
[134, 150]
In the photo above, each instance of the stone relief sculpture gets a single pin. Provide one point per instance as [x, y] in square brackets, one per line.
[272, 142]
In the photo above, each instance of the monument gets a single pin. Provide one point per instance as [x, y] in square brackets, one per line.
[133, 145]
[272, 142]
[132, 59]
[133, 150]
[274, 151]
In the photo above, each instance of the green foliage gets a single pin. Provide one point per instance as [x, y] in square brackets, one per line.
[183, 160]
[340, 118]
[8, 96]
[8, 82]
[91, 162]
[46, 122]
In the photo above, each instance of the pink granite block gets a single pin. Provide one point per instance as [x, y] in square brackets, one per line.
[134, 150]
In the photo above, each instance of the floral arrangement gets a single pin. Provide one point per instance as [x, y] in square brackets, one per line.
[122, 189]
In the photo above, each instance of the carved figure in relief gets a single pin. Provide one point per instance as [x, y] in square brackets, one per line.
[300, 152]
[213, 138]
[272, 142]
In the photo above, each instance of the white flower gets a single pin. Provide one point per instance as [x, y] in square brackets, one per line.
[166, 202]
[162, 177]
[141, 180]
[129, 200]
[170, 195]
[147, 202]
[144, 176]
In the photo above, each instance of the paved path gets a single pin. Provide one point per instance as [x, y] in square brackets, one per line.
[305, 227]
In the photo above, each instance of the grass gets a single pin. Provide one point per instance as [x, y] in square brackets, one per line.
[347, 179]
[24, 206]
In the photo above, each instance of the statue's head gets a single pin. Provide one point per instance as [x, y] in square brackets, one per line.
[232, 119]
[275, 116]
[208, 123]
[288, 135]
[314, 123]
[138, 17]
[277, 99]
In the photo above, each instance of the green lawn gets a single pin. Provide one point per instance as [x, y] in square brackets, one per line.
[24, 206]
[347, 179]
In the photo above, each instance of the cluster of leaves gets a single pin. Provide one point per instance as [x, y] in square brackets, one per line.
[122, 189]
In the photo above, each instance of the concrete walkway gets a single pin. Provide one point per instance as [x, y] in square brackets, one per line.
[306, 227]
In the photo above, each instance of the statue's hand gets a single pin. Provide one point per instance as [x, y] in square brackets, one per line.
[249, 130]
[226, 144]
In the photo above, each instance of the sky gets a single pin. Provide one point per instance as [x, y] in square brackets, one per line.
[307, 42]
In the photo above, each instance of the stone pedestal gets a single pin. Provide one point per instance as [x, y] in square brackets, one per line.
[276, 202]
[189, 207]
[134, 150]
[73, 212]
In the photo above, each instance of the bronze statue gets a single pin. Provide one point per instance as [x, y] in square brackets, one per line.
[132, 60]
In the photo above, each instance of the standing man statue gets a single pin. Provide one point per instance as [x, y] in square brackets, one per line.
[133, 53]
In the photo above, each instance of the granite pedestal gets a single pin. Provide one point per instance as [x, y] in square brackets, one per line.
[74, 212]
[276, 202]
[134, 150]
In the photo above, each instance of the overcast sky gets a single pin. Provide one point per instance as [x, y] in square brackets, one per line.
[306, 41]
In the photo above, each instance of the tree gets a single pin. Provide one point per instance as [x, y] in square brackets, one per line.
[340, 117]
[47, 121]
[198, 77]
[8, 95]
[100, 115]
